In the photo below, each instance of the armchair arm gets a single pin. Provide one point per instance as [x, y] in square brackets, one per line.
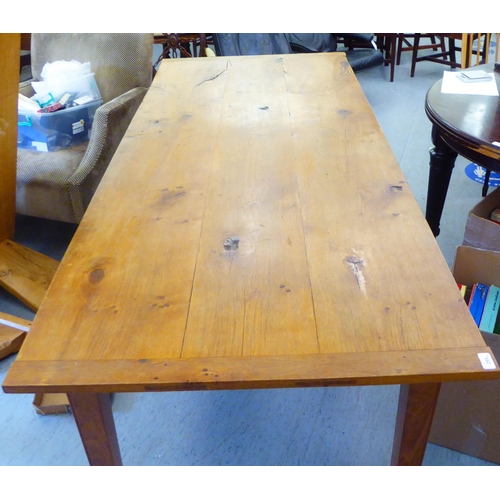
[111, 121]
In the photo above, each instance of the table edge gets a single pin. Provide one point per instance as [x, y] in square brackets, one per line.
[466, 140]
[186, 374]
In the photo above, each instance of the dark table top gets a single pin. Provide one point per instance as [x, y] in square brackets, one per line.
[471, 120]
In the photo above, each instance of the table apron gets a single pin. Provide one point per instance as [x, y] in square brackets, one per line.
[187, 374]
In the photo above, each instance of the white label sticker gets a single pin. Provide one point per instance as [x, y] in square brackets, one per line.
[83, 100]
[40, 146]
[495, 143]
[78, 127]
[486, 361]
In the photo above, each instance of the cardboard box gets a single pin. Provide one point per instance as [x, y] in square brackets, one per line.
[480, 232]
[467, 417]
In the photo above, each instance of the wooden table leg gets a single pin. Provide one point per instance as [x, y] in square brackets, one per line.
[442, 161]
[94, 419]
[417, 403]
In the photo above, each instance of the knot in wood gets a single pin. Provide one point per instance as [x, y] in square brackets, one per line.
[231, 243]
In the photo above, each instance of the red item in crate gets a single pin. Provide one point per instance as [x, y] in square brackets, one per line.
[50, 109]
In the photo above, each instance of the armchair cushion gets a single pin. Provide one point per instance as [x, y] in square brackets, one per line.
[42, 186]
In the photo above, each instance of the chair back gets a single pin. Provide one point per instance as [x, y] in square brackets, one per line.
[120, 61]
[250, 44]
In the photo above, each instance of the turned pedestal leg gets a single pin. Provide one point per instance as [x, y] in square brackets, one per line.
[417, 403]
[442, 161]
[94, 419]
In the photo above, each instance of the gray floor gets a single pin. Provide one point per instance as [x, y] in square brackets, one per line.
[333, 426]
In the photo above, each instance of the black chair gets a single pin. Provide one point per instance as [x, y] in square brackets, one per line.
[359, 48]
[358, 51]
[250, 44]
[230, 44]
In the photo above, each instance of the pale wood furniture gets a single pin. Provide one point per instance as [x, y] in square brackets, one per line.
[448, 57]
[12, 333]
[253, 230]
[468, 44]
[23, 272]
[10, 44]
[11, 338]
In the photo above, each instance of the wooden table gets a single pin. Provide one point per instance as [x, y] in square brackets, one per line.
[465, 125]
[252, 231]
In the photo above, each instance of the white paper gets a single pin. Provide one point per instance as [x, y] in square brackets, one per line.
[486, 361]
[40, 146]
[453, 85]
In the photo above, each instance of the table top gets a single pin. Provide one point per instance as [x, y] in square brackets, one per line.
[474, 120]
[252, 230]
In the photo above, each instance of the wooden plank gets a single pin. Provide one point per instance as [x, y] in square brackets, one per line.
[25, 273]
[10, 46]
[15, 322]
[362, 227]
[314, 370]
[12, 333]
[253, 299]
[11, 340]
[51, 404]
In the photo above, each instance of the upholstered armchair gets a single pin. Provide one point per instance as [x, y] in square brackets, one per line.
[59, 185]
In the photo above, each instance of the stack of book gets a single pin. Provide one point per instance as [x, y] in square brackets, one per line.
[495, 215]
[484, 304]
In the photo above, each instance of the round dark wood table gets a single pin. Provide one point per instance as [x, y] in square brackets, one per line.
[465, 125]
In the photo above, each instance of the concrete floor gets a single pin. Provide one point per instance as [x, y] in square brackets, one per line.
[324, 426]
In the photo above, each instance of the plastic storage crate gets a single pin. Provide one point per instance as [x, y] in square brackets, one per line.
[59, 129]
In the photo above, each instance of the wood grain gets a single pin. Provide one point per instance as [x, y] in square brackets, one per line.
[10, 46]
[51, 404]
[95, 423]
[11, 340]
[334, 261]
[417, 404]
[25, 273]
[255, 300]
[15, 322]
[313, 370]
[12, 333]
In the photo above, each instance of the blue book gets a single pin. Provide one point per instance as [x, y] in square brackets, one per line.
[478, 300]
[490, 311]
